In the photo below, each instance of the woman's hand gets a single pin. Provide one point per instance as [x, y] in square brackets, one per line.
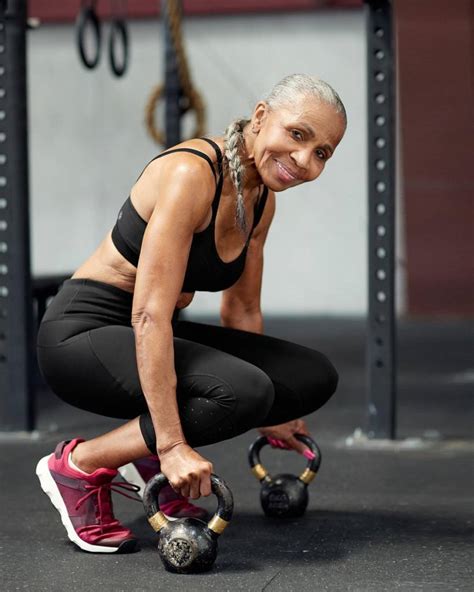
[187, 471]
[282, 436]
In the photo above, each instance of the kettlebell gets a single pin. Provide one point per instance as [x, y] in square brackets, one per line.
[284, 495]
[187, 545]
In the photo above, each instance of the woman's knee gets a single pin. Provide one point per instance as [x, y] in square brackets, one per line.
[255, 398]
[318, 383]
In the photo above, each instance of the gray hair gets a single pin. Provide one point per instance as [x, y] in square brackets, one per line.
[285, 92]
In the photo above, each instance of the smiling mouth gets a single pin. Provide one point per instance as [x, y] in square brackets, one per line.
[288, 173]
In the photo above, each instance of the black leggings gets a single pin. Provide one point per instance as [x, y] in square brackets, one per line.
[229, 380]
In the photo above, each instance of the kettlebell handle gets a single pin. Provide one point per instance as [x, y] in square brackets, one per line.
[217, 524]
[261, 472]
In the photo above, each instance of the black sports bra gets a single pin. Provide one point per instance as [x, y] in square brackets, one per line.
[205, 271]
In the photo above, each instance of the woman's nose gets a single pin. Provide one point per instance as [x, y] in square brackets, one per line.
[301, 160]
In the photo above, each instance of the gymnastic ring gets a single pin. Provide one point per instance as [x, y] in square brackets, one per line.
[118, 30]
[88, 17]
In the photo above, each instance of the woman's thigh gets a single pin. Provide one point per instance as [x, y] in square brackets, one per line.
[219, 395]
[303, 378]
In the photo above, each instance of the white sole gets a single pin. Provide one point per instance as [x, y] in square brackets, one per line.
[130, 473]
[48, 485]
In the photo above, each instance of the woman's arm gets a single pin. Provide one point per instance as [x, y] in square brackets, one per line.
[184, 189]
[240, 304]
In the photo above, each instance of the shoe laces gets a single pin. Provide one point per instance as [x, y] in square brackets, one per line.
[106, 519]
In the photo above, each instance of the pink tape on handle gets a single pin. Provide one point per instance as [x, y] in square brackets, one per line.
[308, 454]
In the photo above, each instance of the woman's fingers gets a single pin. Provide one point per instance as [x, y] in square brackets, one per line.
[277, 443]
[194, 489]
[298, 446]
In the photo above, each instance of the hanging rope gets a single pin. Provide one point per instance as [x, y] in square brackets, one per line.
[190, 97]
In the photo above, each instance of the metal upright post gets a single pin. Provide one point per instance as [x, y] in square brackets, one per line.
[16, 400]
[381, 334]
[173, 90]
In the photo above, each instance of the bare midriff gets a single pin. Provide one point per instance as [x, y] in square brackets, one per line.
[107, 265]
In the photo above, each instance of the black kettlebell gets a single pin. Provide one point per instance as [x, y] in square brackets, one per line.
[284, 495]
[187, 545]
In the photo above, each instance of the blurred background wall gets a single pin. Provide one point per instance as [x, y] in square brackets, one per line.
[88, 144]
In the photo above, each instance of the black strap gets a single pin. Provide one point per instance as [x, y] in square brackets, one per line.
[220, 183]
[192, 150]
[218, 152]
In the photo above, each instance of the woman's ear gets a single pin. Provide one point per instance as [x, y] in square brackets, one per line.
[259, 115]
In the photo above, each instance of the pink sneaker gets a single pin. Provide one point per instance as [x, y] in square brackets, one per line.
[172, 504]
[84, 502]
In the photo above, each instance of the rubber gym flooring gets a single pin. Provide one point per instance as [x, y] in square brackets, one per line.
[381, 517]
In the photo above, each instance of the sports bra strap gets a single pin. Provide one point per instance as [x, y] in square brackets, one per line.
[218, 152]
[193, 151]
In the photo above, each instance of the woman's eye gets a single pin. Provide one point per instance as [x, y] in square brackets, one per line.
[297, 135]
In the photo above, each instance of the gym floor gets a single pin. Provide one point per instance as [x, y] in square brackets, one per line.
[380, 518]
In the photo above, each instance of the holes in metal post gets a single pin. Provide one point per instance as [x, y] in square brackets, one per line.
[3, 225]
[380, 120]
[3, 92]
[379, 363]
[3, 136]
[380, 142]
[380, 99]
[381, 296]
[2, 115]
[380, 165]
[2, 70]
[3, 269]
[3, 181]
[3, 247]
[379, 32]
[3, 158]
[381, 209]
[3, 203]
[380, 186]
[381, 253]
[3, 291]
[381, 275]
[380, 54]
[379, 76]
[381, 231]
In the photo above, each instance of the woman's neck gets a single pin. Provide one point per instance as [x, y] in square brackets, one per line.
[252, 177]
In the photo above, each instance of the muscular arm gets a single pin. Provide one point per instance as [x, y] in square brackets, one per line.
[240, 304]
[184, 193]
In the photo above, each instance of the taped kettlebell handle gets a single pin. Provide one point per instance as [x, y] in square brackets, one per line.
[217, 524]
[261, 472]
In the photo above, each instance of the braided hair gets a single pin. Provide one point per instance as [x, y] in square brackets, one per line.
[233, 142]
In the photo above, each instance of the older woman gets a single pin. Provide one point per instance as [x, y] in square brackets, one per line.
[111, 341]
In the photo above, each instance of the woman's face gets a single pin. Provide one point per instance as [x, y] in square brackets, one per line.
[294, 142]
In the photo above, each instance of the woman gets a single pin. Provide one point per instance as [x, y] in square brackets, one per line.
[111, 341]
